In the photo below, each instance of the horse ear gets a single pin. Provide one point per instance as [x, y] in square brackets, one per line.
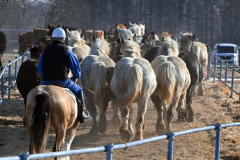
[125, 24]
[105, 34]
[63, 26]
[161, 32]
[116, 24]
[93, 31]
[135, 37]
[49, 26]
[170, 33]
[58, 26]
[153, 33]
[181, 34]
[193, 37]
[30, 47]
[33, 29]
[94, 38]
[19, 34]
[83, 31]
[130, 23]
[139, 23]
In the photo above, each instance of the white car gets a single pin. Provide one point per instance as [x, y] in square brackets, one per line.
[228, 52]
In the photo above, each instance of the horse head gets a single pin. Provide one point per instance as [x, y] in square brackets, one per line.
[35, 52]
[130, 48]
[186, 41]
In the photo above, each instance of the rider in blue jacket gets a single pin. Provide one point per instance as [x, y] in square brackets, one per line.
[54, 65]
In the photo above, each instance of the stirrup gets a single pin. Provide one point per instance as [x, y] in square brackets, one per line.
[86, 114]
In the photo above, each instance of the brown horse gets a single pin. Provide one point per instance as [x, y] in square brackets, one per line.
[38, 34]
[50, 108]
[24, 41]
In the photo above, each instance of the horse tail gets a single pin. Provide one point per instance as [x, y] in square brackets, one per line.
[133, 81]
[98, 82]
[40, 122]
[166, 81]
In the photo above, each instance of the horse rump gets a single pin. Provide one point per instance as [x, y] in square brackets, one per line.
[166, 81]
[40, 123]
[133, 79]
[98, 82]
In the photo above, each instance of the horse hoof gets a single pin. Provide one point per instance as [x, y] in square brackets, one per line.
[138, 137]
[144, 127]
[189, 119]
[93, 132]
[125, 134]
[116, 121]
[102, 127]
[160, 129]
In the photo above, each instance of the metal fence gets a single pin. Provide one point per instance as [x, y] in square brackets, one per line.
[8, 68]
[110, 147]
[222, 67]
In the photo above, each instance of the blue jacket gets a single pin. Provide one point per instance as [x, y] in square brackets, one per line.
[75, 69]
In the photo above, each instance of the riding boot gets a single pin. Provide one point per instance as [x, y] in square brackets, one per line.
[83, 114]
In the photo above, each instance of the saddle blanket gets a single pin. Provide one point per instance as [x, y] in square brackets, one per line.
[73, 97]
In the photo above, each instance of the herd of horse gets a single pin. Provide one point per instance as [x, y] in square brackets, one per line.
[122, 66]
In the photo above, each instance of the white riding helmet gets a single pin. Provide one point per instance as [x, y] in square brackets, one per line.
[59, 32]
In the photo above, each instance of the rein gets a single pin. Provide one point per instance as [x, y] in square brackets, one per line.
[85, 88]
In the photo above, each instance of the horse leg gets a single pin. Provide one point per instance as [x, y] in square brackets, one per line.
[102, 123]
[142, 108]
[60, 136]
[160, 127]
[171, 109]
[90, 106]
[189, 94]
[24, 117]
[70, 134]
[200, 89]
[181, 112]
[124, 132]
[116, 115]
[130, 121]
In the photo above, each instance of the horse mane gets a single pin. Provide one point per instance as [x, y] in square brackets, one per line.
[100, 47]
[130, 49]
[169, 47]
[74, 39]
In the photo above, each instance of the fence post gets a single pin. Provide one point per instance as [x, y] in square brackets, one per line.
[2, 83]
[232, 82]
[170, 145]
[221, 70]
[109, 151]
[226, 74]
[9, 80]
[27, 55]
[15, 75]
[24, 156]
[215, 64]
[217, 144]
[209, 66]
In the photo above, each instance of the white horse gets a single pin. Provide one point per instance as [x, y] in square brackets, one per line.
[142, 28]
[133, 81]
[135, 29]
[125, 33]
[100, 47]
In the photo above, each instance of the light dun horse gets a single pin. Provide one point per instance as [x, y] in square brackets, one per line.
[97, 71]
[50, 107]
[173, 80]
[133, 81]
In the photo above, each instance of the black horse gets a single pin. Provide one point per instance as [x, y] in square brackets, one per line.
[28, 77]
